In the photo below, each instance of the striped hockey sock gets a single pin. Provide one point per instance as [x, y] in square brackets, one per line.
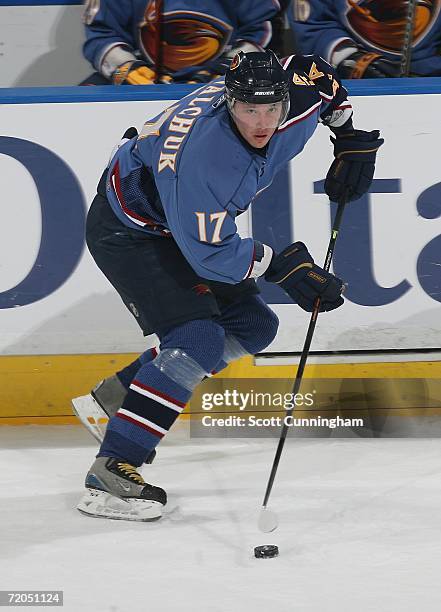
[161, 388]
[127, 374]
[152, 405]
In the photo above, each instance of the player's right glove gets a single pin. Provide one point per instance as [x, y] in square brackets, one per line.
[295, 271]
[133, 73]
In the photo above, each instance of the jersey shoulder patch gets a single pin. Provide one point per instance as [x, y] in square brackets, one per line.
[312, 80]
[309, 70]
[304, 92]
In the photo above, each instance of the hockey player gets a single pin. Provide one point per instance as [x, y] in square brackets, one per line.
[162, 229]
[364, 39]
[146, 41]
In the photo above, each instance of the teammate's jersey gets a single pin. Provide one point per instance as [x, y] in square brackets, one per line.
[189, 173]
[196, 31]
[375, 25]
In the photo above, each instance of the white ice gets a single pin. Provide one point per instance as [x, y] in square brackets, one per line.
[360, 526]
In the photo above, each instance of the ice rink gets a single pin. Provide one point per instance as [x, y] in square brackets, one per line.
[360, 526]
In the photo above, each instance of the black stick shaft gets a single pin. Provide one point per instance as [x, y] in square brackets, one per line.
[406, 50]
[305, 352]
[159, 36]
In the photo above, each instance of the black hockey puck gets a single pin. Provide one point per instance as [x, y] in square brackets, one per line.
[266, 552]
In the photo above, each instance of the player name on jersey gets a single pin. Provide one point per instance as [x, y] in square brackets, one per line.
[180, 124]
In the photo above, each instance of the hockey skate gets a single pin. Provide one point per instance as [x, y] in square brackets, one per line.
[95, 409]
[116, 490]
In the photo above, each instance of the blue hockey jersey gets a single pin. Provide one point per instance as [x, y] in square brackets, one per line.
[375, 25]
[193, 31]
[189, 173]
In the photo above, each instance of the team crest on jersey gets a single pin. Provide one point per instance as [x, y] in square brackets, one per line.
[381, 23]
[189, 38]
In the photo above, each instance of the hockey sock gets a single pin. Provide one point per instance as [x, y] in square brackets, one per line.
[250, 326]
[161, 389]
[233, 350]
[127, 374]
[153, 403]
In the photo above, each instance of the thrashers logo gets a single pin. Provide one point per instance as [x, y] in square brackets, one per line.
[235, 61]
[188, 38]
[381, 23]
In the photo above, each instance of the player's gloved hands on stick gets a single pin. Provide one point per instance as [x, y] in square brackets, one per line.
[352, 170]
[295, 271]
[365, 65]
[133, 73]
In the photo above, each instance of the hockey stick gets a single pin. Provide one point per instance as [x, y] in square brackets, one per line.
[159, 68]
[268, 520]
[406, 49]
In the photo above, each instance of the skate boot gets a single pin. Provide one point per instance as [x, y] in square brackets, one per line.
[95, 409]
[116, 490]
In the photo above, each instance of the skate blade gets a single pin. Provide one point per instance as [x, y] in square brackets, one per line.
[91, 415]
[100, 504]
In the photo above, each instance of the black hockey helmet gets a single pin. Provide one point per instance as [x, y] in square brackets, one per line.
[257, 78]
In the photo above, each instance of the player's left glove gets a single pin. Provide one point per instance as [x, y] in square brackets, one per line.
[352, 170]
[295, 271]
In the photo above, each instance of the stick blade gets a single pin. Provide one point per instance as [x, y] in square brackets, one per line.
[267, 521]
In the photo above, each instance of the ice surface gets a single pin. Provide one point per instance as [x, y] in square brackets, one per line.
[359, 530]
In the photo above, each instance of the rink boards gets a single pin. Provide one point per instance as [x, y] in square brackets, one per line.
[54, 302]
[41, 43]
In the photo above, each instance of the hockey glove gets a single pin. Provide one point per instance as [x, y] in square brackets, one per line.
[295, 271]
[365, 65]
[133, 73]
[352, 171]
